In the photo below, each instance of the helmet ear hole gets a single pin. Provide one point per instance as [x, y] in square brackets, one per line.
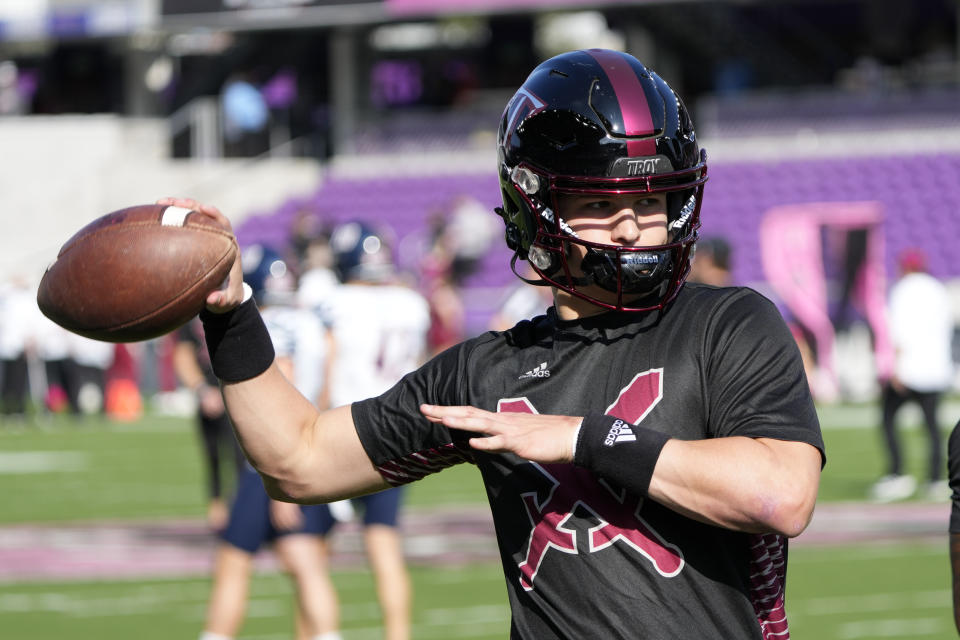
[512, 236]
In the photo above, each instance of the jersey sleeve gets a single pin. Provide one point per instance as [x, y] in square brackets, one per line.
[402, 444]
[753, 375]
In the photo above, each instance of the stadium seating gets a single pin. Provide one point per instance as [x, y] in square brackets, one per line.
[920, 196]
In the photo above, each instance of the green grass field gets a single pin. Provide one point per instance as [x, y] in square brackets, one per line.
[66, 472]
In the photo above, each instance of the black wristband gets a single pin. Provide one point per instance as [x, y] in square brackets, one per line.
[239, 343]
[619, 452]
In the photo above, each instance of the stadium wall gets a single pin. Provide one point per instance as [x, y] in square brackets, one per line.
[59, 172]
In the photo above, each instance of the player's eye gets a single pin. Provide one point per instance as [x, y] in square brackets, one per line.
[649, 203]
[597, 205]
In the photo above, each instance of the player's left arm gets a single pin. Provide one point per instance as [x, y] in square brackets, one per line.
[749, 484]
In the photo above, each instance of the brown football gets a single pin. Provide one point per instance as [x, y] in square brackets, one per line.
[136, 273]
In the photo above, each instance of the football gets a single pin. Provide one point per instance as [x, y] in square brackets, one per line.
[136, 273]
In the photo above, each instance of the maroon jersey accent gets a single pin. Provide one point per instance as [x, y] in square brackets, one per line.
[767, 581]
[422, 463]
[617, 511]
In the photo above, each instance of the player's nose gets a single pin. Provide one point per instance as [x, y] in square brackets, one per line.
[626, 228]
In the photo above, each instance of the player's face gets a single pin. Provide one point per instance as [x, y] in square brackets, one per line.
[631, 220]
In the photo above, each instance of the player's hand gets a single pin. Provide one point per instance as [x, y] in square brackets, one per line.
[532, 436]
[230, 294]
[285, 516]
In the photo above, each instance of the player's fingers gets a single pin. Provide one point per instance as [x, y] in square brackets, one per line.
[215, 213]
[217, 301]
[489, 443]
[471, 422]
[436, 413]
[186, 203]
[464, 418]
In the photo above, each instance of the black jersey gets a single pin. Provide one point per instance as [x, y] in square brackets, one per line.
[582, 558]
[953, 477]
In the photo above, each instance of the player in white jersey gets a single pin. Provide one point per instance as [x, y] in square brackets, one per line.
[374, 350]
[377, 348]
[301, 345]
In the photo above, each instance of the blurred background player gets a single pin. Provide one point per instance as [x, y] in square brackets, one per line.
[17, 319]
[300, 341]
[380, 330]
[92, 359]
[523, 302]
[461, 234]
[711, 263]
[222, 456]
[921, 329]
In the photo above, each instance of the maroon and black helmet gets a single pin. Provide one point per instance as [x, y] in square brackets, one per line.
[597, 122]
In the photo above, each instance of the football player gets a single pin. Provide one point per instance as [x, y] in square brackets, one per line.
[255, 519]
[380, 333]
[647, 447]
[223, 460]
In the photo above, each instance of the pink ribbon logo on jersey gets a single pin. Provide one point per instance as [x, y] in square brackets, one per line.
[616, 511]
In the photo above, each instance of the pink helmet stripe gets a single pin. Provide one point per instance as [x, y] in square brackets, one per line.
[637, 120]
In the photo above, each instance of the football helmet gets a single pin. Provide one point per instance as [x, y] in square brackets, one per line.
[267, 273]
[597, 122]
[361, 253]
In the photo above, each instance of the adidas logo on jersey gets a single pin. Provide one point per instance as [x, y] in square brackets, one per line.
[619, 432]
[539, 371]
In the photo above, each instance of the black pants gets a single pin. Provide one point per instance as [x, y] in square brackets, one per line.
[65, 374]
[221, 452]
[15, 385]
[928, 401]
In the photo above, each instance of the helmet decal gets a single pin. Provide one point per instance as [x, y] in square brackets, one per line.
[523, 105]
[637, 119]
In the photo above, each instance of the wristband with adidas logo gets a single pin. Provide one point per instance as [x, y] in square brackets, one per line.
[619, 452]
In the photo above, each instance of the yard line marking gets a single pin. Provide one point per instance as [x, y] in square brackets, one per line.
[868, 603]
[893, 628]
[20, 462]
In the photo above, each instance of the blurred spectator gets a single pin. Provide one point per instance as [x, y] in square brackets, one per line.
[245, 117]
[255, 519]
[11, 98]
[221, 452]
[921, 328]
[522, 302]
[711, 263]
[18, 311]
